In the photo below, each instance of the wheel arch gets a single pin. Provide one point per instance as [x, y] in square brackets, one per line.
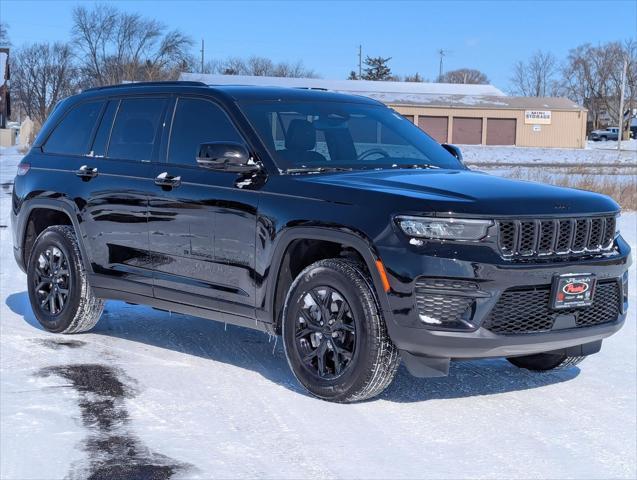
[353, 242]
[38, 214]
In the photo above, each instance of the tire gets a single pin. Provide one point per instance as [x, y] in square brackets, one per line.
[56, 259]
[359, 359]
[542, 362]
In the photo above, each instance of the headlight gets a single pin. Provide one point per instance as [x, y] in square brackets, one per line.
[444, 228]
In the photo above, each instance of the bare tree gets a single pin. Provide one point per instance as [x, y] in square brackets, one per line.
[464, 75]
[116, 46]
[592, 77]
[538, 77]
[257, 66]
[4, 35]
[416, 77]
[42, 75]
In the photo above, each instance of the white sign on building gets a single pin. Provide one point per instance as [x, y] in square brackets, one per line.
[537, 117]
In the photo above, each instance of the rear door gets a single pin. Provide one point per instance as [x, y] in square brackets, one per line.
[202, 230]
[120, 178]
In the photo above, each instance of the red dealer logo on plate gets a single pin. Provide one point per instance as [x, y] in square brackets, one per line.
[575, 288]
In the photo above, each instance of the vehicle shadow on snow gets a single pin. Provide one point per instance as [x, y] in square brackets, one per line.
[253, 350]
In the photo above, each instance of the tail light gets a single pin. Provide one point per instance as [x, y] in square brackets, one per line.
[23, 168]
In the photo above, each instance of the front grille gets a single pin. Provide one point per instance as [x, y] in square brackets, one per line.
[529, 238]
[528, 311]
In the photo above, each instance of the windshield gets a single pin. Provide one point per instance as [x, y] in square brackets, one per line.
[326, 135]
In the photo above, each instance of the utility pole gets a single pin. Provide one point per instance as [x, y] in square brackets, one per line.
[621, 108]
[202, 50]
[442, 53]
[360, 61]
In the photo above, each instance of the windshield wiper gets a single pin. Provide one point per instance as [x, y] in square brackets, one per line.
[416, 165]
[317, 169]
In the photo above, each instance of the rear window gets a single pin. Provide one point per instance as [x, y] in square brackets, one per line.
[137, 129]
[73, 134]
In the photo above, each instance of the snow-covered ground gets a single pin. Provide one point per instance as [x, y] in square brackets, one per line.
[163, 395]
[629, 145]
[596, 153]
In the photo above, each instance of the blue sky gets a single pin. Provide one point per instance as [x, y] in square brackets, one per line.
[488, 35]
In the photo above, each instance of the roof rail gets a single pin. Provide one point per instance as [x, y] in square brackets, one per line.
[322, 89]
[149, 84]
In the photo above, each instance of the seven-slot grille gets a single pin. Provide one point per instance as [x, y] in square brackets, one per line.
[526, 238]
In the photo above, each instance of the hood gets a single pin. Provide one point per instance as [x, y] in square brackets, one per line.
[467, 191]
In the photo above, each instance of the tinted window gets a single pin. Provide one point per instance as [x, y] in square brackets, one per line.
[352, 135]
[137, 128]
[198, 121]
[104, 131]
[73, 133]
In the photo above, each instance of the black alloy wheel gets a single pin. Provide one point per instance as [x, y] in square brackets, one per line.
[52, 280]
[60, 294]
[334, 333]
[325, 332]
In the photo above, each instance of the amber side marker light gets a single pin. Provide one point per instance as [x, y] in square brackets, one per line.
[383, 275]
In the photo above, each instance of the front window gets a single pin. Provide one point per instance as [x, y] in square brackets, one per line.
[344, 135]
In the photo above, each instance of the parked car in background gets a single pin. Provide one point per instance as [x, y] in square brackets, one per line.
[328, 219]
[611, 133]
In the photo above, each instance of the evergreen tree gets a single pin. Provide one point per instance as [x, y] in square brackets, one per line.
[377, 68]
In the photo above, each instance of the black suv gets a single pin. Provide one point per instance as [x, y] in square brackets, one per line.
[328, 219]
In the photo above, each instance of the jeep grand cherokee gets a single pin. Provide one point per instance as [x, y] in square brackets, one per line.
[328, 219]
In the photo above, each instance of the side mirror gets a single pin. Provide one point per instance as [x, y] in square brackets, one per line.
[453, 150]
[226, 156]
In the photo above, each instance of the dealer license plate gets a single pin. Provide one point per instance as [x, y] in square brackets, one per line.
[572, 291]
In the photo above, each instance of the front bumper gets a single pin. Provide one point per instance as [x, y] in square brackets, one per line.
[490, 280]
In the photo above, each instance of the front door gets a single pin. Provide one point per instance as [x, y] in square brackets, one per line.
[202, 223]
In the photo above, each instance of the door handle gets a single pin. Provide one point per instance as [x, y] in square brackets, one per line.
[86, 172]
[165, 180]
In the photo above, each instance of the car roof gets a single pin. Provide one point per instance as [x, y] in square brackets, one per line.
[239, 93]
[262, 93]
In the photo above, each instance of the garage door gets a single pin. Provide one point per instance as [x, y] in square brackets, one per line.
[434, 126]
[409, 117]
[467, 131]
[501, 131]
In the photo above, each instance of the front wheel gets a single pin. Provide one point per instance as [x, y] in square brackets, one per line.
[334, 335]
[542, 362]
[60, 295]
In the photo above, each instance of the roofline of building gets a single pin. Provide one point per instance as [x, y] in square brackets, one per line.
[473, 107]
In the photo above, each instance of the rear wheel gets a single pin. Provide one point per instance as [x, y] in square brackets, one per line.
[60, 295]
[542, 362]
[335, 338]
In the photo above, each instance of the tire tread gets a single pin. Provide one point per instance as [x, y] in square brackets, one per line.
[90, 307]
[387, 360]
